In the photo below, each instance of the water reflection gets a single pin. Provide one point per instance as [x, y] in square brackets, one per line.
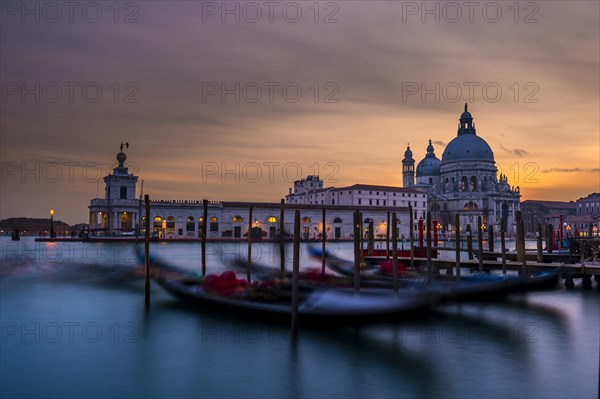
[175, 350]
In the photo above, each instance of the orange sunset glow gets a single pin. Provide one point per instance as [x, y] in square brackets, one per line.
[370, 82]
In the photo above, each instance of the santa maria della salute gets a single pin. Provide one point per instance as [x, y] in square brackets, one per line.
[464, 182]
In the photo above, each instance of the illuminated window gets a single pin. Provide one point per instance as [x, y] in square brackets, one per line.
[236, 219]
[306, 220]
[170, 224]
[214, 224]
[272, 219]
[189, 224]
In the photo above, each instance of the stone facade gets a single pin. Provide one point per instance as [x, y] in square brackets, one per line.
[310, 191]
[465, 182]
[121, 213]
[540, 212]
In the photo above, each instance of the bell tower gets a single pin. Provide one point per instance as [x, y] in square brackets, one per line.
[121, 184]
[408, 168]
[122, 212]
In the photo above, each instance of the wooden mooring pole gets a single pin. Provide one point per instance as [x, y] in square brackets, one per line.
[469, 242]
[457, 223]
[357, 251]
[480, 243]
[249, 266]
[371, 239]
[411, 236]
[361, 234]
[282, 236]
[521, 254]
[203, 236]
[387, 237]
[295, 273]
[503, 246]
[428, 246]
[323, 243]
[395, 251]
[540, 244]
[549, 243]
[147, 254]
[491, 237]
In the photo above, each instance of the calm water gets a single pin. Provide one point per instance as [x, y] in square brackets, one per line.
[73, 325]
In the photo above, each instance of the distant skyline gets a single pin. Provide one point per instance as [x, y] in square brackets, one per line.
[196, 93]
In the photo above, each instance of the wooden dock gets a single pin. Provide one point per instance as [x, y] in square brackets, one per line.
[489, 265]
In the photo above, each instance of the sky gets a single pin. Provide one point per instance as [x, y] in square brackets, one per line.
[236, 100]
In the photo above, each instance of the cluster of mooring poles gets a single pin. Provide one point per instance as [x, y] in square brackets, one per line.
[392, 220]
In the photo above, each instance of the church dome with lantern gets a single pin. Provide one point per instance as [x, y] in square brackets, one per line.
[467, 146]
[429, 167]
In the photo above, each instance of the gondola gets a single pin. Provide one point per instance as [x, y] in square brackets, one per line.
[319, 305]
[307, 277]
[313, 277]
[476, 286]
[542, 280]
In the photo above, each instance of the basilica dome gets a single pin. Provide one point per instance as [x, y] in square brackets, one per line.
[430, 165]
[467, 146]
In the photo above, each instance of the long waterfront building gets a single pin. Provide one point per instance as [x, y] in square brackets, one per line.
[121, 212]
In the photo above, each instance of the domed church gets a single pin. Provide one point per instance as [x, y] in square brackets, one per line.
[464, 181]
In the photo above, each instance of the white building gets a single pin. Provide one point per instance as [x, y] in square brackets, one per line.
[310, 191]
[121, 212]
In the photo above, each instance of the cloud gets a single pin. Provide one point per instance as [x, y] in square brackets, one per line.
[171, 55]
[516, 151]
[570, 170]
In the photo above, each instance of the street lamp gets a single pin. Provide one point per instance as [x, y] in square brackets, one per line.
[52, 223]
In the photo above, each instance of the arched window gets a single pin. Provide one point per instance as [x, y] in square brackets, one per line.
[470, 206]
[157, 223]
[368, 220]
[237, 219]
[143, 223]
[306, 220]
[214, 224]
[473, 183]
[337, 220]
[464, 183]
[170, 224]
[189, 224]
[125, 221]
[272, 219]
